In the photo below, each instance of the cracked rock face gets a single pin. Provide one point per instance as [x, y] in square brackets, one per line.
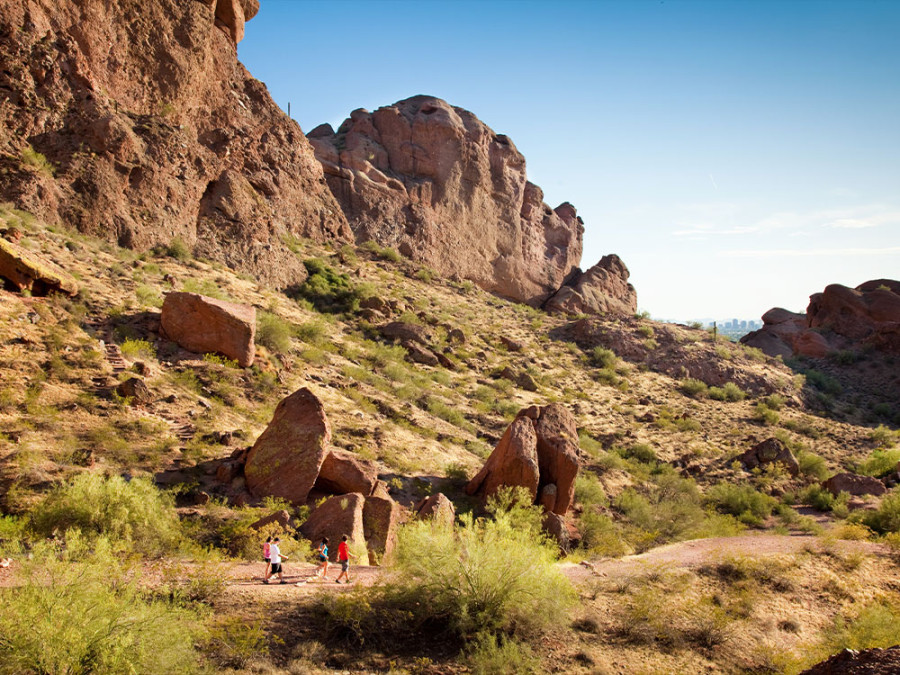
[150, 130]
[436, 183]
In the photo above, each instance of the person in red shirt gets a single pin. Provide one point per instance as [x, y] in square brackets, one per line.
[344, 556]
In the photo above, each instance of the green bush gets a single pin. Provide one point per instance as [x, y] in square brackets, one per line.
[642, 452]
[495, 576]
[743, 502]
[132, 513]
[37, 161]
[138, 349]
[886, 518]
[604, 358]
[78, 612]
[493, 655]
[763, 413]
[589, 491]
[179, 250]
[812, 465]
[730, 392]
[694, 388]
[328, 290]
[880, 463]
[273, 333]
[823, 382]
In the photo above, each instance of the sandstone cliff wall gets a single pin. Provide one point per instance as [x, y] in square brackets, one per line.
[433, 181]
[153, 130]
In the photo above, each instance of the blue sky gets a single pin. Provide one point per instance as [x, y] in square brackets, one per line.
[737, 155]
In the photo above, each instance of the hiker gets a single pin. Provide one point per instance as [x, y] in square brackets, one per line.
[322, 557]
[266, 557]
[276, 558]
[344, 556]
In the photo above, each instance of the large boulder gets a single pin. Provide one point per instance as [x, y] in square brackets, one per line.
[538, 449]
[343, 472]
[770, 451]
[201, 324]
[854, 484]
[286, 458]
[381, 518]
[603, 289]
[281, 517]
[874, 661]
[436, 507]
[514, 462]
[335, 517]
[26, 271]
[150, 130]
[435, 182]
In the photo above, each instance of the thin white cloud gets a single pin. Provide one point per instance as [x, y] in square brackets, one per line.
[808, 252]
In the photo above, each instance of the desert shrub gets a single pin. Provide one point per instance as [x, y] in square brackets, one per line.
[311, 332]
[774, 401]
[75, 612]
[729, 392]
[812, 465]
[425, 274]
[492, 575]
[604, 358]
[743, 502]
[178, 249]
[880, 463]
[883, 435]
[669, 509]
[273, 332]
[326, 289]
[822, 500]
[589, 491]
[642, 452]
[37, 161]
[886, 518]
[845, 357]
[385, 253]
[498, 655]
[132, 512]
[763, 413]
[138, 349]
[600, 535]
[822, 382]
[875, 625]
[693, 387]
[234, 643]
[148, 296]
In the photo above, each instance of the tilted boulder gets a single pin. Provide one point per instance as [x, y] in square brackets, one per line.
[854, 484]
[26, 271]
[539, 448]
[342, 472]
[201, 324]
[286, 458]
[514, 462]
[135, 389]
[402, 331]
[433, 181]
[436, 507]
[381, 518]
[770, 451]
[603, 289]
[335, 517]
[281, 517]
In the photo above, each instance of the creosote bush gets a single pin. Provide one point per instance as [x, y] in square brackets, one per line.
[273, 332]
[133, 513]
[492, 575]
[328, 290]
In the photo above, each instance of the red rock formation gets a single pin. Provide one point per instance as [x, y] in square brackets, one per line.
[335, 517]
[200, 324]
[875, 661]
[603, 289]
[770, 451]
[539, 449]
[854, 485]
[152, 130]
[837, 318]
[381, 518]
[26, 271]
[343, 472]
[435, 182]
[436, 507]
[285, 460]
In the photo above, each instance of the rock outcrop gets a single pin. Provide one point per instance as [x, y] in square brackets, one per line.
[342, 472]
[134, 121]
[539, 449]
[23, 270]
[854, 484]
[201, 324]
[875, 661]
[837, 318]
[436, 507]
[770, 451]
[433, 181]
[335, 517]
[603, 289]
[285, 460]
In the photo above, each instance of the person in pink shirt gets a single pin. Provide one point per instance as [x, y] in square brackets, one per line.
[266, 556]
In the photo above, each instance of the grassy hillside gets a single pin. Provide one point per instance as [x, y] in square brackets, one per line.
[658, 444]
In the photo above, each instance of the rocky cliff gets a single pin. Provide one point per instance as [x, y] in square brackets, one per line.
[135, 121]
[435, 182]
[838, 318]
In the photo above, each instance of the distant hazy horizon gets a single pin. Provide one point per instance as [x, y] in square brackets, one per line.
[737, 155]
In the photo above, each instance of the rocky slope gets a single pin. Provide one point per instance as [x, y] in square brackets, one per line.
[135, 122]
[434, 181]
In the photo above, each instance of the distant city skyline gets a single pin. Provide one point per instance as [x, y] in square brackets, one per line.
[738, 156]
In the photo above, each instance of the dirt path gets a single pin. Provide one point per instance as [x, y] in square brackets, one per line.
[245, 579]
